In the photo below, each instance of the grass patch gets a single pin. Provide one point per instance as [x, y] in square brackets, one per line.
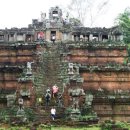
[15, 128]
[53, 128]
[72, 128]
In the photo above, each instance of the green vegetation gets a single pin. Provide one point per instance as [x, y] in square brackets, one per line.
[72, 128]
[52, 128]
[7, 115]
[15, 128]
[124, 23]
[108, 125]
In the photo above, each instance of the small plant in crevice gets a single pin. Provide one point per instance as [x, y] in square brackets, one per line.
[30, 114]
[110, 124]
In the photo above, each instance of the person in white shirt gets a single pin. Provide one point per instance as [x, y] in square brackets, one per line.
[53, 113]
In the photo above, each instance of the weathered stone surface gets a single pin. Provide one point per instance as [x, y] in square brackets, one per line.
[13, 61]
[20, 46]
[104, 72]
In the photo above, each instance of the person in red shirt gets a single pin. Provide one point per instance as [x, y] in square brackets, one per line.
[55, 90]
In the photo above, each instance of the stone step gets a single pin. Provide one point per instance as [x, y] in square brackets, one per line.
[52, 67]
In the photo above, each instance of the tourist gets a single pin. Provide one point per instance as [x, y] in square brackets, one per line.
[53, 113]
[48, 90]
[55, 90]
[47, 98]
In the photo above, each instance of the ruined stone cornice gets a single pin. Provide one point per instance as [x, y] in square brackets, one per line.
[11, 68]
[40, 29]
[14, 46]
[97, 56]
[119, 99]
[18, 31]
[96, 31]
[7, 90]
[87, 30]
[93, 68]
[17, 55]
[97, 45]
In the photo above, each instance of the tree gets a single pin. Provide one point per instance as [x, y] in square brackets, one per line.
[88, 10]
[75, 22]
[123, 22]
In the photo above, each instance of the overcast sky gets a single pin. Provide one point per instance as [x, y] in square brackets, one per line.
[19, 13]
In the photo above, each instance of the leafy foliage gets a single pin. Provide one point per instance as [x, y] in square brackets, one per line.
[7, 114]
[30, 114]
[124, 23]
[75, 22]
[109, 124]
[4, 115]
[68, 111]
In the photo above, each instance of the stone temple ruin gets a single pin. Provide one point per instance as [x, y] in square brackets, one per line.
[84, 62]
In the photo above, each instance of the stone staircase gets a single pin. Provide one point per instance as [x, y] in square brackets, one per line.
[43, 114]
[49, 70]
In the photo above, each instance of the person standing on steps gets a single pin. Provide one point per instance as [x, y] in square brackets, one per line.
[47, 97]
[55, 90]
[53, 113]
[48, 90]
